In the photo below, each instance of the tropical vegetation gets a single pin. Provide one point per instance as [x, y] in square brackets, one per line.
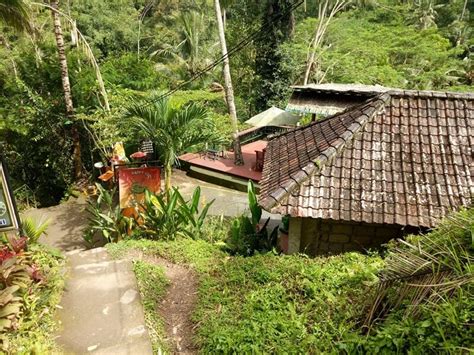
[31, 284]
[69, 70]
[416, 297]
[78, 76]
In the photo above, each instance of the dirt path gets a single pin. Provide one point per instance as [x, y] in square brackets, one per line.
[178, 305]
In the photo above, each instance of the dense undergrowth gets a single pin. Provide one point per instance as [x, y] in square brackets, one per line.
[33, 332]
[295, 304]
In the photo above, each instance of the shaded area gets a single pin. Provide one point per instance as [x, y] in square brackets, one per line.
[67, 223]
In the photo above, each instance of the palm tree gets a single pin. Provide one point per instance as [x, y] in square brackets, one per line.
[229, 91]
[172, 130]
[14, 13]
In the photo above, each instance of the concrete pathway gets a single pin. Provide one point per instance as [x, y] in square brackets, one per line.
[227, 202]
[67, 222]
[100, 311]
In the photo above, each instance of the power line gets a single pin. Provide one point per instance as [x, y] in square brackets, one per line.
[243, 43]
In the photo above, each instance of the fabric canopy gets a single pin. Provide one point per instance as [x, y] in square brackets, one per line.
[274, 117]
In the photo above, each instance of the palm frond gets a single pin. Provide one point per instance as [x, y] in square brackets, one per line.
[174, 130]
[16, 14]
[34, 229]
[426, 268]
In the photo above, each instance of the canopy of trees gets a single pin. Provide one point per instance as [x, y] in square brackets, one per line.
[140, 47]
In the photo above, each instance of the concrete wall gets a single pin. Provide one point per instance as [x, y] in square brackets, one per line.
[317, 236]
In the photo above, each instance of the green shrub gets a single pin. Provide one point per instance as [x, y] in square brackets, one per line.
[169, 216]
[30, 287]
[33, 229]
[247, 235]
[106, 220]
[425, 300]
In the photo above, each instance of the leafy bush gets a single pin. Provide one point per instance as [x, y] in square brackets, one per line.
[14, 281]
[160, 216]
[128, 71]
[30, 287]
[425, 300]
[247, 234]
[106, 220]
[169, 216]
[32, 229]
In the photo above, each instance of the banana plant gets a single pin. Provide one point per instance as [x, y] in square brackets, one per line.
[106, 219]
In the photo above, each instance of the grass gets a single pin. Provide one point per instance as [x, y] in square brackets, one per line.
[295, 304]
[152, 284]
[267, 303]
[35, 334]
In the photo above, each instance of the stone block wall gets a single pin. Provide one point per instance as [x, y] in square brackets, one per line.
[317, 236]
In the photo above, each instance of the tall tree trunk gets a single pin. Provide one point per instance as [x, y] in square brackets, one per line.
[463, 11]
[229, 91]
[58, 34]
[4, 41]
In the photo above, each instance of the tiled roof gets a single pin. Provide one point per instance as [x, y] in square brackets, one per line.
[402, 157]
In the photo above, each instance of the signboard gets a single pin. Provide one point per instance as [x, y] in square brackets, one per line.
[134, 181]
[8, 213]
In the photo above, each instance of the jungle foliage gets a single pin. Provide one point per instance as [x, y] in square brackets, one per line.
[142, 47]
[31, 284]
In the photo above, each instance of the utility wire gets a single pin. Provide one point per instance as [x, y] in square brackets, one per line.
[242, 44]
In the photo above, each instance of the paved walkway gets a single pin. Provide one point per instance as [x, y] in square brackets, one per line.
[101, 311]
[227, 202]
[67, 222]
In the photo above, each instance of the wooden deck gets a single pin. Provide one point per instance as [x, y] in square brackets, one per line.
[226, 165]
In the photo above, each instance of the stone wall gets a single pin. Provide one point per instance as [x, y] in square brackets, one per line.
[317, 236]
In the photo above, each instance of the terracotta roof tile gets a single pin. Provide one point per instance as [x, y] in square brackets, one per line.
[402, 157]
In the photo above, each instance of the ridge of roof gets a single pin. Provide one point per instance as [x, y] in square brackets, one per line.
[369, 109]
[344, 88]
[430, 93]
[390, 92]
